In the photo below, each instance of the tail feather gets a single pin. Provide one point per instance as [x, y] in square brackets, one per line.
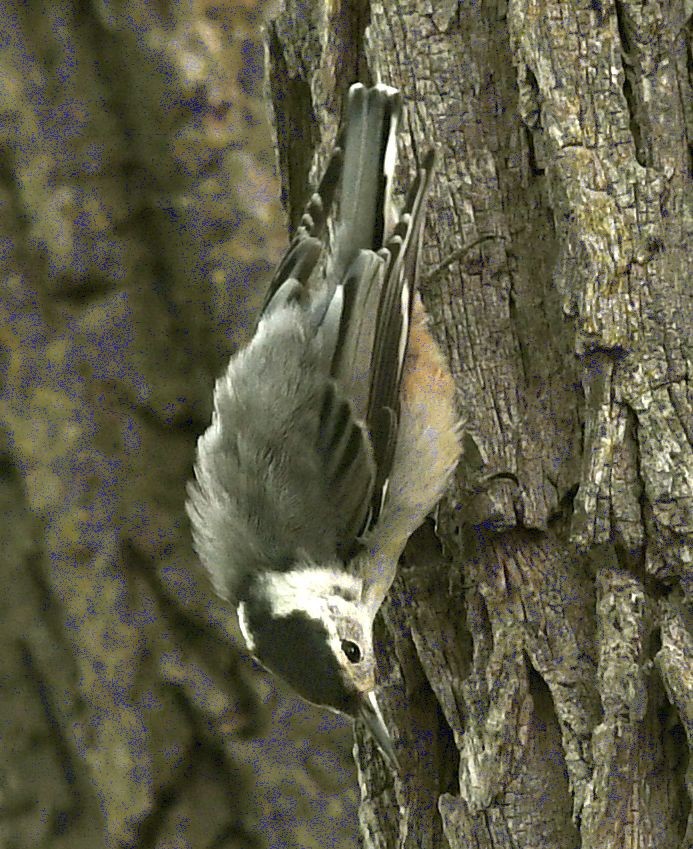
[370, 152]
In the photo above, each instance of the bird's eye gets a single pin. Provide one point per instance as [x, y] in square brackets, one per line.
[351, 650]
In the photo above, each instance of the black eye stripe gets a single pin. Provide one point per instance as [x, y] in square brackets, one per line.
[351, 650]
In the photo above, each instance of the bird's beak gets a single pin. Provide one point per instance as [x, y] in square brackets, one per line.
[369, 712]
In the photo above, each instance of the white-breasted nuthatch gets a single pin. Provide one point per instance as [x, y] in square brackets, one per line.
[334, 430]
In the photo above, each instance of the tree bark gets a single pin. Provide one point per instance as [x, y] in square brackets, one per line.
[536, 656]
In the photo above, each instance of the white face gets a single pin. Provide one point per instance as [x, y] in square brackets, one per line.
[333, 599]
[351, 640]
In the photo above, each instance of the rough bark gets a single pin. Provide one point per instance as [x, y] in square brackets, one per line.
[536, 659]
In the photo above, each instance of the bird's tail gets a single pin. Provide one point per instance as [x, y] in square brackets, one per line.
[370, 153]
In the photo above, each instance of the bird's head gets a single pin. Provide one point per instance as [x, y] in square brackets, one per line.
[309, 626]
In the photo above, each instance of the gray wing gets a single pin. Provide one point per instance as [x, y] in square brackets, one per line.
[370, 149]
[392, 329]
[284, 473]
[376, 258]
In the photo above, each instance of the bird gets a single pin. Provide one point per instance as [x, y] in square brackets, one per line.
[334, 431]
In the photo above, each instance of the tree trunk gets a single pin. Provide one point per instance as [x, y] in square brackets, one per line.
[536, 661]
